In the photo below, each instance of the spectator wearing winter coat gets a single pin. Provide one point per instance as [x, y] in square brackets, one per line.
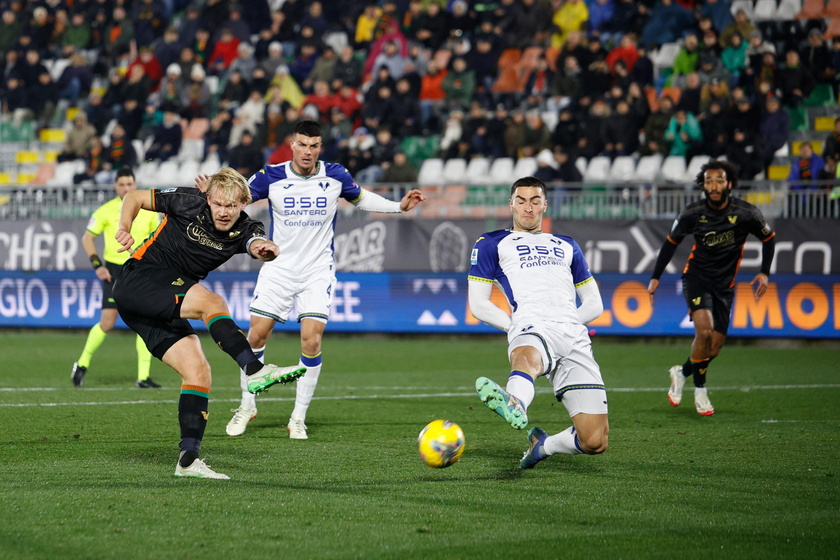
[667, 22]
[683, 133]
[793, 80]
[774, 128]
[805, 168]
[744, 149]
[166, 140]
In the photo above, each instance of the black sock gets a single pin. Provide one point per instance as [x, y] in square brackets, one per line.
[232, 340]
[687, 368]
[192, 417]
[699, 372]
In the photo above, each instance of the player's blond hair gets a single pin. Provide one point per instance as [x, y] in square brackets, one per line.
[230, 186]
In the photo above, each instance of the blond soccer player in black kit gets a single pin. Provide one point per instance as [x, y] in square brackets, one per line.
[158, 289]
[720, 225]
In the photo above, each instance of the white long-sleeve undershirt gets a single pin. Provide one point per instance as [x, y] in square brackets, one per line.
[372, 202]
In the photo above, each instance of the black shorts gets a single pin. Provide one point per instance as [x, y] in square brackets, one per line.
[702, 296]
[107, 287]
[149, 300]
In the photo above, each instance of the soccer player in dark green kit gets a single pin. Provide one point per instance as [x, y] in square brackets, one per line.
[720, 225]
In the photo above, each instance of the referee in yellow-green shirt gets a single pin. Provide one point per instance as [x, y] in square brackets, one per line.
[105, 220]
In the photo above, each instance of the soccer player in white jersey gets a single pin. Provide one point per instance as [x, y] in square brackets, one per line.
[541, 274]
[303, 197]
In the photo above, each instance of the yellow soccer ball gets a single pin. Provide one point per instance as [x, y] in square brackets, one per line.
[441, 443]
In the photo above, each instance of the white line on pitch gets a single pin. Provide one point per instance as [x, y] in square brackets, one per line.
[397, 396]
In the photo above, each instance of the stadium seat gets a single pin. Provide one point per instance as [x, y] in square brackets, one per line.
[788, 9]
[598, 169]
[824, 123]
[191, 149]
[833, 29]
[336, 39]
[778, 172]
[673, 169]
[665, 55]
[454, 170]
[477, 170]
[622, 169]
[811, 9]
[647, 168]
[210, 165]
[524, 167]
[764, 10]
[139, 149]
[167, 173]
[580, 164]
[798, 118]
[431, 172]
[46, 171]
[508, 59]
[501, 171]
[694, 167]
[551, 55]
[784, 151]
[146, 174]
[745, 5]
[832, 9]
[187, 172]
[64, 172]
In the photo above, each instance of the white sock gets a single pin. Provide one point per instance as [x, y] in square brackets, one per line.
[522, 388]
[249, 400]
[565, 442]
[305, 390]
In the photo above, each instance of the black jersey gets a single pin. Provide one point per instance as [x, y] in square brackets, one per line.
[187, 241]
[719, 237]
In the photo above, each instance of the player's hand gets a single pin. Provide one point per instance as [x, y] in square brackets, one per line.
[124, 238]
[652, 285]
[103, 273]
[762, 280]
[201, 181]
[411, 199]
[264, 250]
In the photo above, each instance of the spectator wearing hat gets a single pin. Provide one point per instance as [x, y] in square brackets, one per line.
[794, 81]
[757, 47]
[774, 128]
[288, 86]
[196, 99]
[244, 63]
[119, 35]
[815, 56]
[715, 90]
[167, 49]
[741, 25]
[273, 59]
[744, 114]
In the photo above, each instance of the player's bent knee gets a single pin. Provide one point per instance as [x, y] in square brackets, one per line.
[594, 445]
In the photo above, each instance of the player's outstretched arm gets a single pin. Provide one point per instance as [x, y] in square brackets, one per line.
[411, 199]
[264, 250]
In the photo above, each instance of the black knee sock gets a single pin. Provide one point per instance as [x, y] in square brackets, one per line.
[687, 368]
[192, 416]
[699, 372]
[232, 340]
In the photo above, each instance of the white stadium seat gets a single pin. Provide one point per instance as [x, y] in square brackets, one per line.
[454, 170]
[477, 170]
[501, 171]
[524, 167]
[673, 169]
[431, 172]
[694, 167]
[623, 168]
[647, 168]
[764, 10]
[598, 169]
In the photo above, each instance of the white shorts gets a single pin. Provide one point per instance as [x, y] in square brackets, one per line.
[566, 352]
[275, 295]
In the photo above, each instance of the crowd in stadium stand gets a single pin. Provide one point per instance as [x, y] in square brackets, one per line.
[480, 75]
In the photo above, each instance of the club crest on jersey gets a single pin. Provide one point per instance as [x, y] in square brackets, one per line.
[324, 185]
[732, 219]
[234, 234]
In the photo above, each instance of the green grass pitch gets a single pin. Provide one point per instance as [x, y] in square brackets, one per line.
[87, 473]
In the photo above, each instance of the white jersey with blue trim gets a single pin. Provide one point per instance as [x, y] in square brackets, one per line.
[303, 212]
[537, 272]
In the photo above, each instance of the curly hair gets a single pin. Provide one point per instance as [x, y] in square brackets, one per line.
[729, 168]
[231, 186]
